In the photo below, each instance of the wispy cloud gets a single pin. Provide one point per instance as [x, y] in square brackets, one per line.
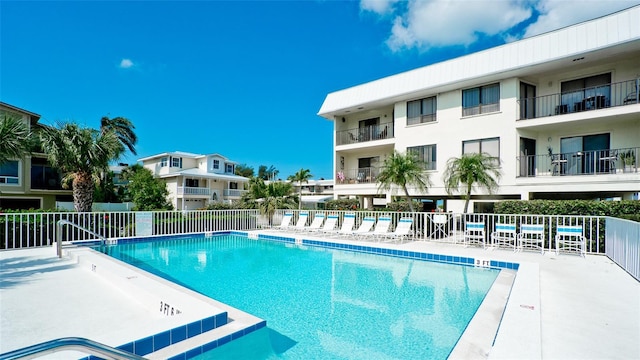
[424, 24]
[126, 64]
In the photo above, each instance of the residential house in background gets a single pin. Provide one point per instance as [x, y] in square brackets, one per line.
[29, 182]
[195, 180]
[560, 110]
[314, 193]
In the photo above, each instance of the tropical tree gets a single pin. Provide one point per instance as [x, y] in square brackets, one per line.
[81, 154]
[146, 192]
[302, 176]
[269, 197]
[16, 138]
[269, 173]
[469, 170]
[244, 170]
[124, 130]
[403, 170]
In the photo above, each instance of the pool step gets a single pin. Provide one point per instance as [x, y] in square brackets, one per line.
[206, 341]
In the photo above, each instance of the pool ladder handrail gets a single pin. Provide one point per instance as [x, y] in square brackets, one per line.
[70, 343]
[60, 225]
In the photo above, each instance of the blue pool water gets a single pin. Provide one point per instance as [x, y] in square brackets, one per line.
[322, 303]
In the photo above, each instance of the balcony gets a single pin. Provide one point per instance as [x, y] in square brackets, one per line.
[587, 99]
[233, 193]
[198, 191]
[598, 162]
[364, 134]
[359, 176]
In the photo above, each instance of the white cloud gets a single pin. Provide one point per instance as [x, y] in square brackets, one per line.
[380, 7]
[423, 24]
[437, 23]
[555, 14]
[126, 64]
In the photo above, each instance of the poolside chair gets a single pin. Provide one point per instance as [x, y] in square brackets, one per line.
[302, 221]
[381, 229]
[504, 236]
[402, 230]
[316, 224]
[329, 225]
[286, 222]
[474, 234]
[531, 237]
[365, 227]
[570, 239]
[348, 221]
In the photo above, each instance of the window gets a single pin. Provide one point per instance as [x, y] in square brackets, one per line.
[164, 161]
[426, 154]
[10, 173]
[176, 162]
[490, 146]
[230, 168]
[191, 183]
[421, 111]
[233, 185]
[481, 100]
[593, 92]
[216, 164]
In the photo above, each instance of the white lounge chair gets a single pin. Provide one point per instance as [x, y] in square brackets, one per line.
[570, 239]
[286, 222]
[504, 236]
[381, 229]
[365, 227]
[402, 231]
[316, 224]
[329, 225]
[302, 221]
[348, 221]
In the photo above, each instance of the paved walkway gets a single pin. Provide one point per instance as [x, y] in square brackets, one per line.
[561, 307]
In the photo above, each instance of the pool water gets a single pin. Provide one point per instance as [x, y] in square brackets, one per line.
[322, 303]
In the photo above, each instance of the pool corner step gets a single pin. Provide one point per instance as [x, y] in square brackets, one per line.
[189, 348]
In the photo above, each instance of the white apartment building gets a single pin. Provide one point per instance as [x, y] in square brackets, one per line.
[560, 110]
[195, 180]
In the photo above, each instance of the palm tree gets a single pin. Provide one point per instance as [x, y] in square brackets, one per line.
[16, 138]
[469, 169]
[81, 154]
[268, 198]
[123, 128]
[301, 176]
[403, 170]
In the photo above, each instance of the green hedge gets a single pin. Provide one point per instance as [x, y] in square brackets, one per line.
[342, 204]
[628, 209]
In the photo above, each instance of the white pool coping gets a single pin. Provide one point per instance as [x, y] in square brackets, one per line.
[560, 307]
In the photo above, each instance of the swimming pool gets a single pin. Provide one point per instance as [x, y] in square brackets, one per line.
[341, 304]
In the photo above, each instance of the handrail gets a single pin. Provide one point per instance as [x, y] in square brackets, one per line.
[61, 223]
[70, 343]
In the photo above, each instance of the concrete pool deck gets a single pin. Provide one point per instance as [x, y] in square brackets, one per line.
[560, 307]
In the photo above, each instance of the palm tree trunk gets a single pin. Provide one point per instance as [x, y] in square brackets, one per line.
[467, 197]
[83, 192]
[406, 192]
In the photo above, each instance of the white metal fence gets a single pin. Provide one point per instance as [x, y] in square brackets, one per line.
[623, 244]
[618, 239]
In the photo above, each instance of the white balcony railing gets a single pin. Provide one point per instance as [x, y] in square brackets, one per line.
[187, 190]
[233, 193]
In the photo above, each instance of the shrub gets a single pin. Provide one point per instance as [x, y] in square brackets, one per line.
[628, 209]
[342, 204]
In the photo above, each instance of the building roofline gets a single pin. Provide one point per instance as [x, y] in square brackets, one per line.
[21, 110]
[386, 90]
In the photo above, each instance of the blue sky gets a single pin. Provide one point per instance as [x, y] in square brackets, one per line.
[245, 78]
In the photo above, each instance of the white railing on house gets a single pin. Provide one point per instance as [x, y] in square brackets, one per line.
[233, 193]
[189, 190]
